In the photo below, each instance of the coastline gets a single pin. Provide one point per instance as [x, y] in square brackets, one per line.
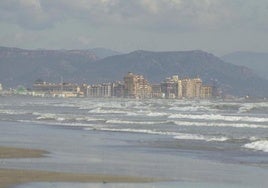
[12, 177]
[11, 152]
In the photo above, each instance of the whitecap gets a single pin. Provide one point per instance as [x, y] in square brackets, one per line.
[117, 121]
[176, 135]
[156, 114]
[217, 124]
[218, 117]
[102, 111]
[261, 145]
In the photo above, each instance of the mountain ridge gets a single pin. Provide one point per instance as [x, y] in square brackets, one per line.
[80, 66]
[257, 61]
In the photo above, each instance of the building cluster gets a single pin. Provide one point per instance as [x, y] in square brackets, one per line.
[132, 86]
[174, 87]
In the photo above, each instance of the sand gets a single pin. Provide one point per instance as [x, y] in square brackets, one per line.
[9, 152]
[11, 177]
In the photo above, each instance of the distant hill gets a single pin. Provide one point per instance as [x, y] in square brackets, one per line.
[104, 52]
[256, 61]
[23, 67]
[236, 80]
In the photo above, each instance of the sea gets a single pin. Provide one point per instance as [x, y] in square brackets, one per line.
[183, 143]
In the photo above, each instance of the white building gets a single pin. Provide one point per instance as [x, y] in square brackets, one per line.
[1, 88]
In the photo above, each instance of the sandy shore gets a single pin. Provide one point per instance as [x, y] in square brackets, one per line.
[9, 152]
[11, 177]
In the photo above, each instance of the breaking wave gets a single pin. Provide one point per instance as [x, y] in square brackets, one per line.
[261, 145]
[218, 117]
[13, 112]
[50, 117]
[176, 135]
[108, 111]
[117, 121]
[217, 124]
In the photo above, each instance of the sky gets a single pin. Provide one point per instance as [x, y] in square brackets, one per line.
[216, 26]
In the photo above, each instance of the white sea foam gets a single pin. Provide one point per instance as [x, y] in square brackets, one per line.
[217, 124]
[13, 112]
[117, 121]
[103, 111]
[59, 123]
[176, 135]
[250, 106]
[132, 114]
[261, 145]
[200, 137]
[89, 119]
[156, 114]
[218, 117]
[190, 108]
[246, 108]
[47, 116]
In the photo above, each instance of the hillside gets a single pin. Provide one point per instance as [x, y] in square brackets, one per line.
[22, 67]
[18, 66]
[256, 61]
[156, 66]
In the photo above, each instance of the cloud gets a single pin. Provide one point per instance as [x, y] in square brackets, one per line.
[177, 15]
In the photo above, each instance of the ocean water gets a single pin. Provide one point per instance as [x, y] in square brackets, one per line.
[202, 143]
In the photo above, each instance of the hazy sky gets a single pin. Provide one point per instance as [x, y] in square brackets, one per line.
[217, 26]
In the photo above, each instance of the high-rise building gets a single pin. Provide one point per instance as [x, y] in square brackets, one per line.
[191, 88]
[170, 87]
[206, 92]
[1, 88]
[156, 91]
[136, 86]
[130, 85]
[52, 89]
[100, 90]
[118, 89]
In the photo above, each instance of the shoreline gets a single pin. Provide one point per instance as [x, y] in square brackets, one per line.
[12, 177]
[13, 152]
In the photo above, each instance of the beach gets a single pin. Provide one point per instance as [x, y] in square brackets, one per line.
[11, 177]
[103, 143]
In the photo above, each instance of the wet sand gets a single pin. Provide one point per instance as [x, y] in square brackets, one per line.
[11, 177]
[10, 152]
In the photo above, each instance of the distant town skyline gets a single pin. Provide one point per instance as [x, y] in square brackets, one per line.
[216, 26]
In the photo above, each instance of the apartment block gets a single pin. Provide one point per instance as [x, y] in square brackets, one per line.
[60, 90]
[100, 90]
[206, 92]
[136, 86]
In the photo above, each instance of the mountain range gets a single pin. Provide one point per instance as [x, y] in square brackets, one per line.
[255, 60]
[23, 67]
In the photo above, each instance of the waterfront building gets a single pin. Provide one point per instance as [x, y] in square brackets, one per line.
[156, 91]
[172, 87]
[118, 89]
[1, 87]
[197, 87]
[56, 90]
[206, 92]
[191, 88]
[100, 90]
[136, 86]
